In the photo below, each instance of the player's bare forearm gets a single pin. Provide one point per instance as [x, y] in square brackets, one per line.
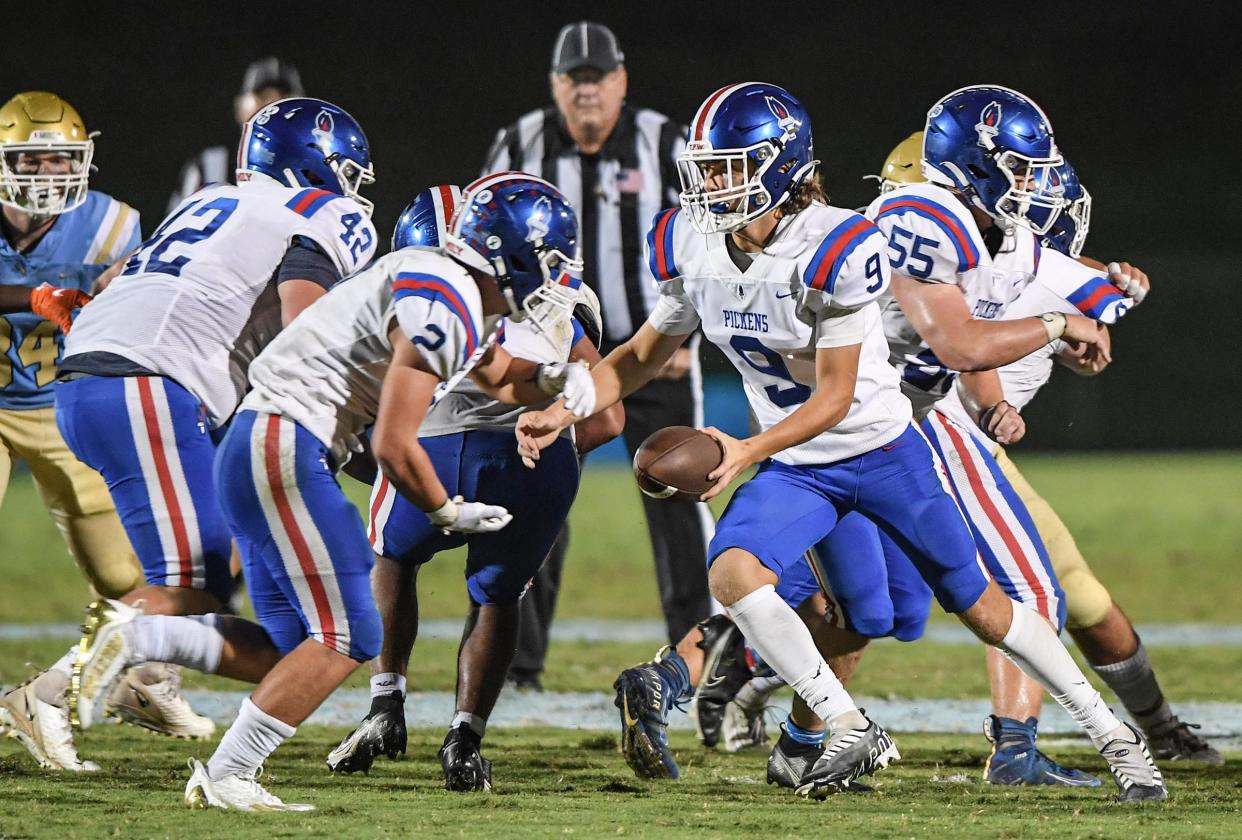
[980, 391]
[963, 343]
[602, 426]
[14, 299]
[404, 400]
[983, 395]
[508, 378]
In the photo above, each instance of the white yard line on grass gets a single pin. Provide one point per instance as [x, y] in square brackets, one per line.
[595, 710]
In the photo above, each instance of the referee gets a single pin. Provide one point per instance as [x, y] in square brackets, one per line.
[617, 165]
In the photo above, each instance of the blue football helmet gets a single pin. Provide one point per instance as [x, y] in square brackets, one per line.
[303, 142]
[520, 230]
[995, 146]
[754, 136]
[1068, 232]
[425, 221]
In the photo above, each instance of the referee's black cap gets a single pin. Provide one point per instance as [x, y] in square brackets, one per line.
[272, 72]
[586, 44]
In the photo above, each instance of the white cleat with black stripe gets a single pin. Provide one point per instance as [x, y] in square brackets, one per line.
[848, 756]
[1134, 771]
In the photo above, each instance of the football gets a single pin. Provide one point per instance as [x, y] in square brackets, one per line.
[675, 461]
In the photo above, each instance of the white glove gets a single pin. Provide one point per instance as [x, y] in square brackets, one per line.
[464, 517]
[572, 382]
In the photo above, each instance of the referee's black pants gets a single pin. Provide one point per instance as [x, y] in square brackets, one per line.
[678, 531]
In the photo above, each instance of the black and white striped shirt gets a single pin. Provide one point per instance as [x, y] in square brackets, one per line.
[633, 177]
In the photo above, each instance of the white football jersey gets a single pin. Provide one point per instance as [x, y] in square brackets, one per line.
[466, 407]
[197, 301]
[814, 286]
[933, 238]
[1061, 284]
[325, 370]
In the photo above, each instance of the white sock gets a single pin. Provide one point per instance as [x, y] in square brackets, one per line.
[755, 693]
[1034, 647]
[1135, 685]
[387, 683]
[248, 742]
[478, 723]
[192, 641]
[64, 665]
[774, 629]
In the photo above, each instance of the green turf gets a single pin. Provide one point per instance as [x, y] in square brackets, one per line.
[1161, 531]
[557, 782]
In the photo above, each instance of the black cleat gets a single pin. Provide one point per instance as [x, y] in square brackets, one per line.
[724, 672]
[791, 760]
[1173, 740]
[849, 755]
[380, 733]
[464, 768]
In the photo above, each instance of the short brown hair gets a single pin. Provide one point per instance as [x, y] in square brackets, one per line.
[811, 189]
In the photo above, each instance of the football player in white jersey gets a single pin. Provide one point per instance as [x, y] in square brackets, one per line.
[158, 363]
[787, 287]
[1067, 282]
[468, 436]
[961, 252]
[378, 349]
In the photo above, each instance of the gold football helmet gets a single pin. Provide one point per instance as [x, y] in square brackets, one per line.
[904, 164]
[45, 154]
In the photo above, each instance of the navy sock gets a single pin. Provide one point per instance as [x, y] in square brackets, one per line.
[676, 675]
[803, 736]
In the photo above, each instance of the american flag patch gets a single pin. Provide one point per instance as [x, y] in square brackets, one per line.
[630, 180]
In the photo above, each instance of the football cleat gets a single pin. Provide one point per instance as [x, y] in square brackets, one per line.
[644, 701]
[849, 755]
[380, 733]
[103, 653]
[743, 724]
[1173, 740]
[790, 761]
[724, 672]
[1016, 761]
[158, 705]
[42, 725]
[464, 767]
[1136, 775]
[233, 792]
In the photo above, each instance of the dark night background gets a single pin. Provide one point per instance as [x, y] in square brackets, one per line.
[1144, 101]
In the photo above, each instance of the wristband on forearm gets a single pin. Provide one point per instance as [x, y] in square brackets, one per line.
[446, 514]
[1054, 325]
[551, 378]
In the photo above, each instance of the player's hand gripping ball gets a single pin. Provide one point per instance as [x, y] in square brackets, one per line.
[675, 462]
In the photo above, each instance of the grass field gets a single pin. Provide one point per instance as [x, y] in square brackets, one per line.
[554, 782]
[1161, 531]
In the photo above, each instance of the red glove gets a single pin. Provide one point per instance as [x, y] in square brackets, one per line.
[56, 304]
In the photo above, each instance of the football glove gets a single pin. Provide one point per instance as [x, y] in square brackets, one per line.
[57, 304]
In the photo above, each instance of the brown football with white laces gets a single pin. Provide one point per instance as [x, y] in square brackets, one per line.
[674, 463]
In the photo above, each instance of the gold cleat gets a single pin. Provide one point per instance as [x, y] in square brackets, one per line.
[103, 653]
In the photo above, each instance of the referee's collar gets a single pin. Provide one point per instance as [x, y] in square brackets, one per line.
[620, 142]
